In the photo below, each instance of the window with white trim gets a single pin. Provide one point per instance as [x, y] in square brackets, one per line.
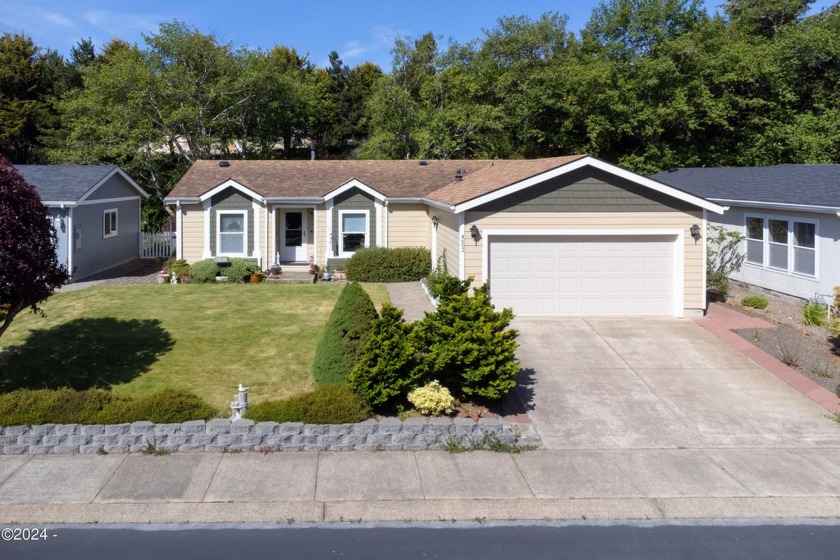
[353, 230]
[782, 244]
[232, 229]
[109, 223]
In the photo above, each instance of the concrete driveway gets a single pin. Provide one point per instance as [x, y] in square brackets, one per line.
[656, 383]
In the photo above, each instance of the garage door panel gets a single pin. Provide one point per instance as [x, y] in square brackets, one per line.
[567, 275]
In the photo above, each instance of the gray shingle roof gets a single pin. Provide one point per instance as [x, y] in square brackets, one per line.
[800, 184]
[63, 182]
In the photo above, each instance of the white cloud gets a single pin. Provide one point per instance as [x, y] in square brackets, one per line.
[121, 24]
[55, 18]
[377, 48]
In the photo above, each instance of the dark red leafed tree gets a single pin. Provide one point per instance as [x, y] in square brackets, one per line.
[29, 268]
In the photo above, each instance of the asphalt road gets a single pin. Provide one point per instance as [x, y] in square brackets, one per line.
[584, 541]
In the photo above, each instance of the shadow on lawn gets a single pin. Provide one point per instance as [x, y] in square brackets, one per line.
[84, 353]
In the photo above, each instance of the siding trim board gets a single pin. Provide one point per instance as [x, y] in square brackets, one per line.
[678, 241]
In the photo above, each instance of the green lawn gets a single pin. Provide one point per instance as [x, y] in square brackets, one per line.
[206, 338]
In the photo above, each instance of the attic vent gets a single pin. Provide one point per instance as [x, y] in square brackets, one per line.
[224, 164]
[423, 162]
[459, 174]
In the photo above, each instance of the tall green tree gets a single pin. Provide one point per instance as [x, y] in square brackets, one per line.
[22, 105]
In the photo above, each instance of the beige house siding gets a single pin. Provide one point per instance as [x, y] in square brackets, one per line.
[192, 232]
[409, 225]
[321, 237]
[448, 242]
[694, 257]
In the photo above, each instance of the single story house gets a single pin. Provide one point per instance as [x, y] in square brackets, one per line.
[96, 213]
[558, 236]
[789, 216]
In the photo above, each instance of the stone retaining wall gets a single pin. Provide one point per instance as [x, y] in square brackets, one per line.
[243, 435]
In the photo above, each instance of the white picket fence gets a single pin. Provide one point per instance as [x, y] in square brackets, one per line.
[157, 245]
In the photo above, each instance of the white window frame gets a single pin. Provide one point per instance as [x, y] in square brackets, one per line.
[219, 214]
[106, 222]
[791, 246]
[341, 213]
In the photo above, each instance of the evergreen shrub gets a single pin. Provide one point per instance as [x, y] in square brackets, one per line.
[345, 335]
[388, 369]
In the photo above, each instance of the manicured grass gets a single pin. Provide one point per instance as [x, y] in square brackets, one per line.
[205, 338]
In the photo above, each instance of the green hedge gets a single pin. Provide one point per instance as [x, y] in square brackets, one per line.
[379, 264]
[327, 404]
[98, 406]
[345, 335]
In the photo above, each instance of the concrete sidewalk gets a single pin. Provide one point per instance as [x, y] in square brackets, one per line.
[431, 485]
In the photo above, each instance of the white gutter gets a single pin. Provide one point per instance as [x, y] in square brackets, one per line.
[779, 206]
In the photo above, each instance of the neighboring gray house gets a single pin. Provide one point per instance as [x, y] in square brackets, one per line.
[789, 215]
[96, 213]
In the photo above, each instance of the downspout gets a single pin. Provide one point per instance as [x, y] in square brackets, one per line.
[704, 300]
[462, 258]
[179, 233]
[386, 222]
[71, 246]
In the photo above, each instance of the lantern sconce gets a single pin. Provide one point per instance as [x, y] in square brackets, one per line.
[58, 221]
[474, 233]
[435, 221]
[695, 232]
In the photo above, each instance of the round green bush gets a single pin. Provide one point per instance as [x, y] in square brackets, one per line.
[380, 264]
[239, 269]
[204, 271]
[756, 302]
[327, 404]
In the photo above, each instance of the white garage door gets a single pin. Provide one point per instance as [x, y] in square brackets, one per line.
[582, 275]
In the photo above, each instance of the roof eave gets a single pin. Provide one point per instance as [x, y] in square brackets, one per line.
[817, 209]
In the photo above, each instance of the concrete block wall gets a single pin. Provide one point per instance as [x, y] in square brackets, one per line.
[221, 435]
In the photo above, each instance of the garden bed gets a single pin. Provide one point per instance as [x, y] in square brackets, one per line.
[806, 348]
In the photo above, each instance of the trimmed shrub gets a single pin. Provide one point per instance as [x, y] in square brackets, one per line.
[239, 268]
[380, 264]
[467, 344]
[756, 302]
[388, 368]
[204, 271]
[814, 313]
[97, 406]
[345, 335]
[432, 399]
[327, 404]
[163, 407]
[54, 406]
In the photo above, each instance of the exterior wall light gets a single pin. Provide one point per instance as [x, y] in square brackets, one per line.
[695, 232]
[435, 221]
[474, 233]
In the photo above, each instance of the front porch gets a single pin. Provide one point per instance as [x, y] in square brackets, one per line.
[294, 237]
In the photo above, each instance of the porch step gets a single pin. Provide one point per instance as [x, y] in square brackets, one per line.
[293, 276]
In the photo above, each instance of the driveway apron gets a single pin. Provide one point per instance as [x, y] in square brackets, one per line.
[611, 383]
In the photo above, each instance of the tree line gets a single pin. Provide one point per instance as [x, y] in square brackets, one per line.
[647, 84]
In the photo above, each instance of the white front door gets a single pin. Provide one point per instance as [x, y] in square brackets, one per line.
[293, 241]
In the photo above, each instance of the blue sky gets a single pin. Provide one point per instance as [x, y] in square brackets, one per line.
[359, 30]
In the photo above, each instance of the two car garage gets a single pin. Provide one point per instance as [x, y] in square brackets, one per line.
[574, 274]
